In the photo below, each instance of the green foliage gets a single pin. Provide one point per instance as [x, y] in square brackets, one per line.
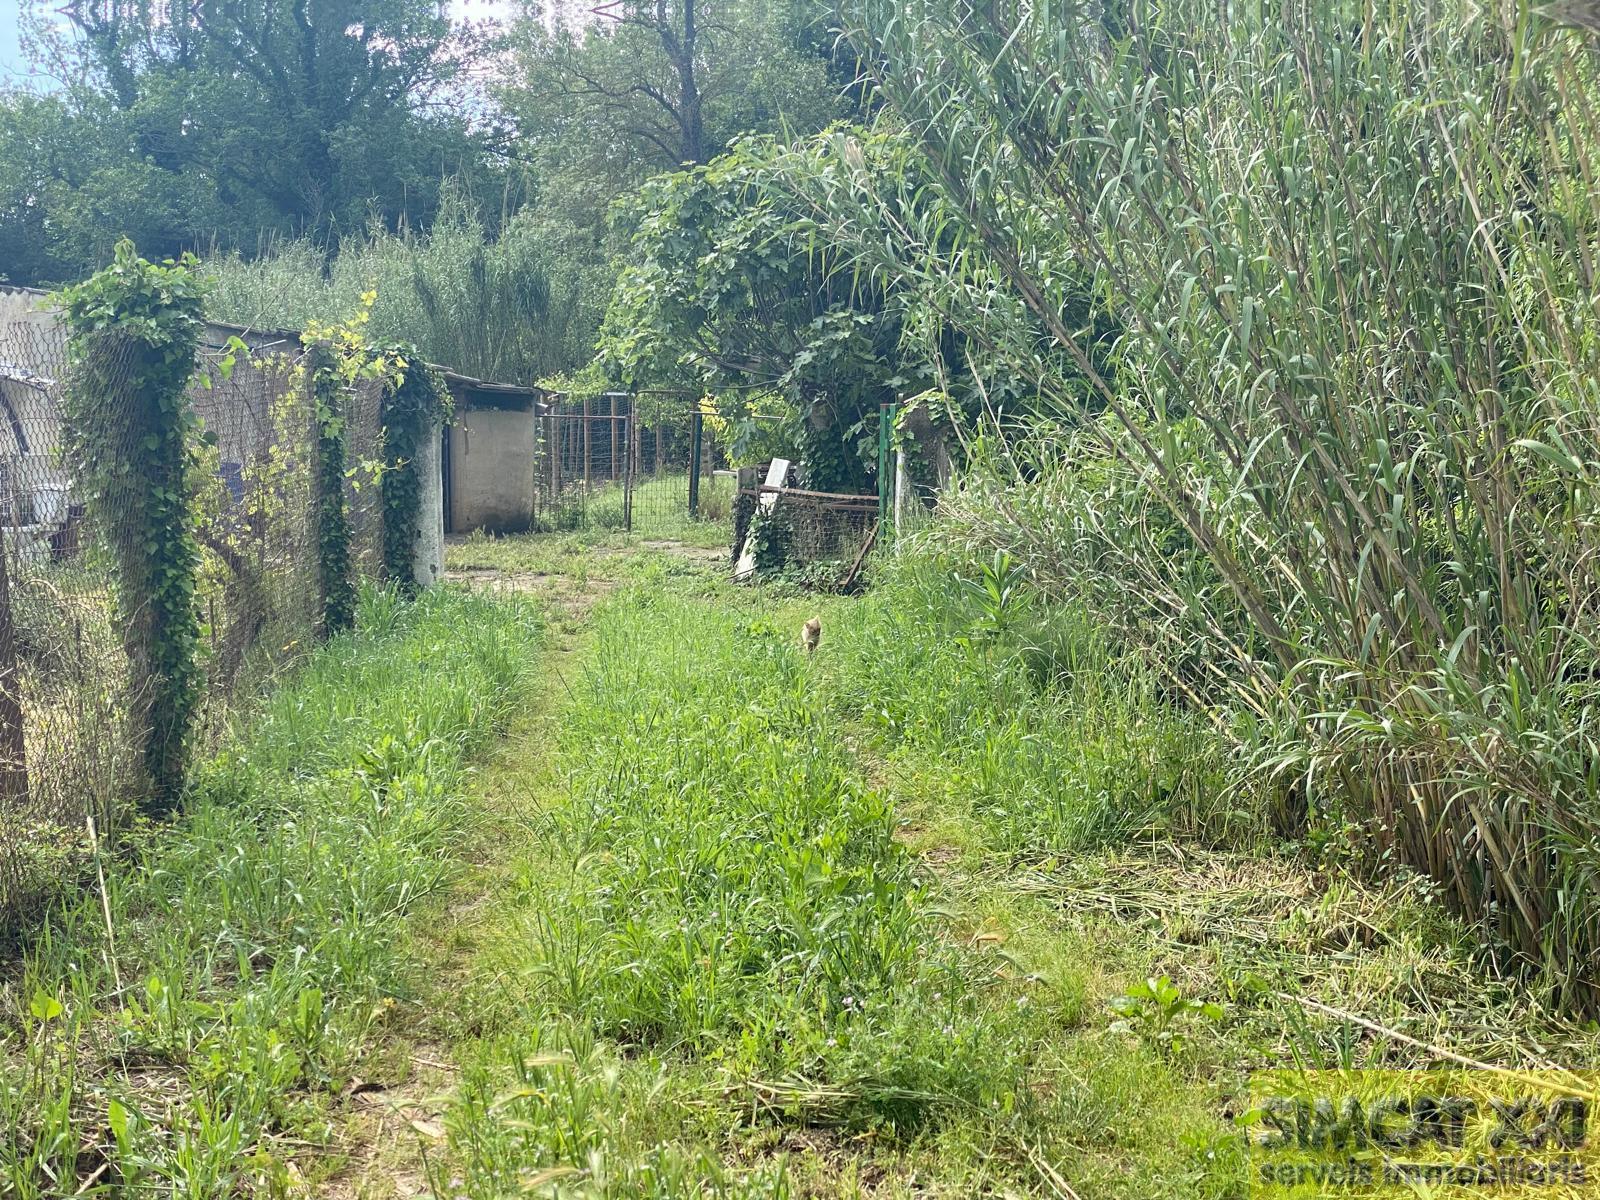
[1348, 261]
[999, 593]
[128, 433]
[769, 279]
[413, 408]
[490, 304]
[338, 359]
[260, 935]
[227, 123]
[1049, 739]
[721, 296]
[1158, 1012]
[602, 104]
[334, 579]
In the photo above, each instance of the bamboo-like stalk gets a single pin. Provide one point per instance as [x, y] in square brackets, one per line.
[1342, 472]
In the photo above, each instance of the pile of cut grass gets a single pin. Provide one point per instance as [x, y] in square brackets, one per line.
[259, 940]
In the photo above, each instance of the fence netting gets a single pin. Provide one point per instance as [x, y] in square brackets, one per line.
[614, 460]
[64, 674]
[820, 538]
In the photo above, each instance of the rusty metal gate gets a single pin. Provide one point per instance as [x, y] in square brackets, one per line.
[638, 461]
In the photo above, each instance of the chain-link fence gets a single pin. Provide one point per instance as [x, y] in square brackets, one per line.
[65, 700]
[620, 460]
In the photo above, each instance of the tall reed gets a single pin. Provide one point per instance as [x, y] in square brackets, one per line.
[1351, 249]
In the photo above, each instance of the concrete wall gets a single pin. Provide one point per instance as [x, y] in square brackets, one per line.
[427, 559]
[491, 470]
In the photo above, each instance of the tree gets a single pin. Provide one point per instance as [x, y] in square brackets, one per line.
[601, 101]
[652, 85]
[222, 120]
[789, 271]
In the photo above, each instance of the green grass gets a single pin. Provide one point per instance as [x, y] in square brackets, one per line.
[1030, 725]
[719, 919]
[259, 946]
[717, 939]
[877, 922]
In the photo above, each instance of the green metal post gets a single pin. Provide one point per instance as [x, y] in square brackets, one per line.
[628, 480]
[694, 462]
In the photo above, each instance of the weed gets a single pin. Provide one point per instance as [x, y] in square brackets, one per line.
[260, 932]
[1158, 1012]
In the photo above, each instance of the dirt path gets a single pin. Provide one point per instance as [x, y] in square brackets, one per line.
[395, 1107]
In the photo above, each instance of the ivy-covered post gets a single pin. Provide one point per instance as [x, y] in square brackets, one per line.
[128, 438]
[416, 403]
[337, 589]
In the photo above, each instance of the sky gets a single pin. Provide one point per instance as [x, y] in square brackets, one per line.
[10, 53]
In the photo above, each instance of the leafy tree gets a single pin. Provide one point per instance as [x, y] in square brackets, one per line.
[723, 295]
[602, 101]
[643, 86]
[223, 120]
[791, 271]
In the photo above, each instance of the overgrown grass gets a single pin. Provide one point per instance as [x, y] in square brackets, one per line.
[258, 942]
[880, 921]
[1336, 478]
[1039, 731]
[718, 939]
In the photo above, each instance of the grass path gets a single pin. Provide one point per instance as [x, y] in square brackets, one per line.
[390, 1125]
[743, 924]
[701, 953]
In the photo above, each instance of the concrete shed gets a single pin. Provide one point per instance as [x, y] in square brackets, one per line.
[489, 454]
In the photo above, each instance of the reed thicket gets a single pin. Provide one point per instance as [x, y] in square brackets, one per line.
[1338, 481]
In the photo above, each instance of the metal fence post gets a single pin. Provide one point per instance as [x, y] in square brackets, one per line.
[627, 467]
[13, 744]
[885, 468]
[695, 422]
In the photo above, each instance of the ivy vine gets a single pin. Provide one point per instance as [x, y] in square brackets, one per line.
[337, 359]
[415, 403]
[337, 588]
[128, 437]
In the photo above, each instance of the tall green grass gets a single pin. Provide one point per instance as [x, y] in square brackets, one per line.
[1049, 738]
[256, 944]
[1350, 249]
[719, 935]
[475, 303]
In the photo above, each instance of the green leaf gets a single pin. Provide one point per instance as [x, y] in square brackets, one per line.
[45, 1007]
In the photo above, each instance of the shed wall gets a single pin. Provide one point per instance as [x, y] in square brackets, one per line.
[491, 470]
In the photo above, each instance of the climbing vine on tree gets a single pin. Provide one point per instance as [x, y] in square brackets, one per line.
[128, 436]
[416, 402]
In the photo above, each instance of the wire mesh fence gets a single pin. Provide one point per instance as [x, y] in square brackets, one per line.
[65, 694]
[616, 460]
[820, 538]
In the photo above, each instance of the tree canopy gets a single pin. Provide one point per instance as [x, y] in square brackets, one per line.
[230, 123]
